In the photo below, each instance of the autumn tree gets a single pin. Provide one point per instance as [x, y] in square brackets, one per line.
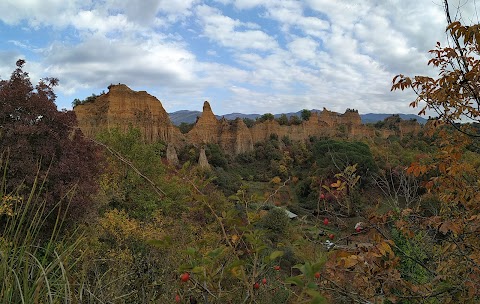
[41, 142]
[412, 255]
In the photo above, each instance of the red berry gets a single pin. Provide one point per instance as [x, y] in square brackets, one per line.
[185, 277]
[276, 267]
[358, 229]
[177, 298]
[331, 236]
[256, 286]
[322, 196]
[264, 281]
[325, 221]
[317, 275]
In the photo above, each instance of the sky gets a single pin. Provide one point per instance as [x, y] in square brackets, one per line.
[248, 56]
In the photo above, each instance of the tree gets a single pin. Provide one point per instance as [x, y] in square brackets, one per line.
[449, 174]
[249, 122]
[305, 114]
[185, 127]
[294, 120]
[40, 141]
[90, 98]
[265, 117]
[283, 120]
[455, 94]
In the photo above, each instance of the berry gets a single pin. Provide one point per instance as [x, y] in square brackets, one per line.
[325, 221]
[331, 236]
[322, 196]
[185, 277]
[177, 298]
[276, 267]
[358, 229]
[317, 275]
[264, 281]
[256, 286]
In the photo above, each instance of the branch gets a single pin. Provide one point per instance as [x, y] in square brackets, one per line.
[159, 191]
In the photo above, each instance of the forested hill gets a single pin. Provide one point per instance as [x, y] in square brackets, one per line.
[187, 116]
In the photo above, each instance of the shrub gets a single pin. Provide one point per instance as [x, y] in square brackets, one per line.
[276, 221]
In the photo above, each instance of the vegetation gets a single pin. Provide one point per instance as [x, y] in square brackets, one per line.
[89, 99]
[328, 220]
[37, 138]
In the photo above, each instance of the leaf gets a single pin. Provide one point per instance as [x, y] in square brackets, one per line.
[445, 227]
[385, 249]
[337, 184]
[275, 254]
[215, 253]
[350, 261]
[191, 251]
[234, 198]
[236, 271]
[318, 300]
[297, 280]
[165, 242]
[198, 270]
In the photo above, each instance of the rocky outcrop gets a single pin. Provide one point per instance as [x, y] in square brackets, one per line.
[123, 108]
[172, 157]
[406, 127]
[202, 159]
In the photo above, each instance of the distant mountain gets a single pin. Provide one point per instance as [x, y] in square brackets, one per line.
[184, 116]
[187, 116]
[374, 117]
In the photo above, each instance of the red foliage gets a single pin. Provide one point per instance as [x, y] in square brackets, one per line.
[37, 138]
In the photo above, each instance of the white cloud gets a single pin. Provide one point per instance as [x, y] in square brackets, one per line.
[304, 48]
[223, 29]
[274, 55]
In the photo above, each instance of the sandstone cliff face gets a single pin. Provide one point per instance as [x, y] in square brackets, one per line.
[409, 127]
[121, 108]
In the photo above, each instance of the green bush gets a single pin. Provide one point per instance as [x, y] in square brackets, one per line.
[276, 221]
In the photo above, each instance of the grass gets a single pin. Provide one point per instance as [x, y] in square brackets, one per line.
[35, 262]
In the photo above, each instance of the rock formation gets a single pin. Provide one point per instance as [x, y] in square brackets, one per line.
[123, 108]
[202, 159]
[172, 156]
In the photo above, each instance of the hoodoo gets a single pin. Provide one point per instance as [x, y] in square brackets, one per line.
[123, 108]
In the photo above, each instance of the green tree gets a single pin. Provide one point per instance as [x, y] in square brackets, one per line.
[185, 127]
[249, 122]
[294, 120]
[305, 114]
[90, 98]
[265, 117]
[283, 120]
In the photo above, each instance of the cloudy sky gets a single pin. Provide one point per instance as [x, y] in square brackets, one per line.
[250, 56]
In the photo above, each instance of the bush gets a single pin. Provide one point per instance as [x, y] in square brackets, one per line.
[276, 221]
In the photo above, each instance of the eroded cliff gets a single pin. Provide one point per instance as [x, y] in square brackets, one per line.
[122, 108]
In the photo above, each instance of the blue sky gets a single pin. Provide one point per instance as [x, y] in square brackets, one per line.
[250, 56]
